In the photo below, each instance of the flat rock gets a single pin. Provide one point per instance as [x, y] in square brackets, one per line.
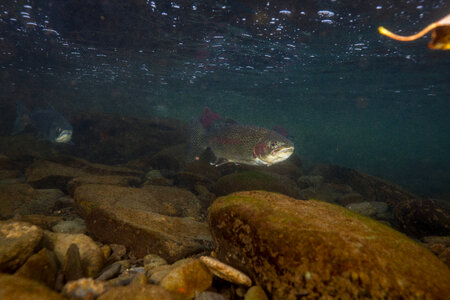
[165, 200]
[43, 221]
[91, 255]
[186, 279]
[255, 180]
[423, 217]
[123, 216]
[317, 249]
[22, 199]
[73, 226]
[17, 288]
[102, 179]
[18, 241]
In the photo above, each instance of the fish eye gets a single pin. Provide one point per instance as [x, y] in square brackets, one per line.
[273, 144]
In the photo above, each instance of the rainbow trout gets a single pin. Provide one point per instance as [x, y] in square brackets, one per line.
[231, 142]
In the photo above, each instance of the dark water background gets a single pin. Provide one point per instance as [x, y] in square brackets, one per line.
[347, 95]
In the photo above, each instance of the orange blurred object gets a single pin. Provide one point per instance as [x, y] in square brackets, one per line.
[440, 35]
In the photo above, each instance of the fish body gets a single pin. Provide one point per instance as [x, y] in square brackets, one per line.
[231, 142]
[48, 123]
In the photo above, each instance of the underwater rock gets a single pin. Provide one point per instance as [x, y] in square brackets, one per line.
[91, 255]
[189, 180]
[350, 198]
[186, 279]
[113, 270]
[18, 241]
[325, 192]
[84, 288]
[253, 180]
[73, 226]
[154, 177]
[165, 200]
[22, 199]
[207, 295]
[138, 289]
[61, 169]
[152, 261]
[225, 271]
[317, 249]
[126, 216]
[98, 179]
[440, 246]
[255, 293]
[72, 268]
[42, 221]
[114, 139]
[422, 217]
[16, 287]
[370, 187]
[41, 267]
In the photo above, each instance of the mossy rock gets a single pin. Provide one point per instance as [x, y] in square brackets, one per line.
[256, 180]
[296, 248]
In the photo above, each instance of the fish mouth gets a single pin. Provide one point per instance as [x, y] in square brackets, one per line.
[64, 137]
[283, 152]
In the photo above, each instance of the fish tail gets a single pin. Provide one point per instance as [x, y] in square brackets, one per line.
[196, 141]
[22, 120]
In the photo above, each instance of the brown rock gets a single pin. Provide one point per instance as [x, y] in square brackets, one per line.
[42, 221]
[423, 217]
[316, 249]
[18, 241]
[41, 267]
[91, 255]
[20, 288]
[72, 264]
[137, 290]
[22, 199]
[126, 216]
[225, 271]
[98, 179]
[186, 279]
[62, 169]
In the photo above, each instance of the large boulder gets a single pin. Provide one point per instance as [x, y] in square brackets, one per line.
[18, 241]
[316, 249]
[134, 218]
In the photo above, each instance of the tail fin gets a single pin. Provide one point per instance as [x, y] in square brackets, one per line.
[196, 141]
[22, 119]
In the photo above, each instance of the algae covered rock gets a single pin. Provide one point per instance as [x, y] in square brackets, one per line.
[316, 249]
[256, 180]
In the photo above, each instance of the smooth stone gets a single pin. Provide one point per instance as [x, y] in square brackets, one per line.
[186, 279]
[126, 216]
[83, 288]
[113, 270]
[152, 261]
[18, 241]
[41, 267]
[139, 289]
[350, 198]
[22, 199]
[255, 293]
[156, 274]
[91, 255]
[118, 252]
[317, 249]
[225, 271]
[72, 268]
[74, 226]
[14, 287]
[305, 182]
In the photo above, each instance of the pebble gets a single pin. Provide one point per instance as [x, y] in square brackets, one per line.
[75, 226]
[255, 293]
[83, 287]
[72, 264]
[225, 271]
[207, 295]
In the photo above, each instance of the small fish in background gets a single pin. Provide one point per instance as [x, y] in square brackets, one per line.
[48, 123]
[231, 142]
